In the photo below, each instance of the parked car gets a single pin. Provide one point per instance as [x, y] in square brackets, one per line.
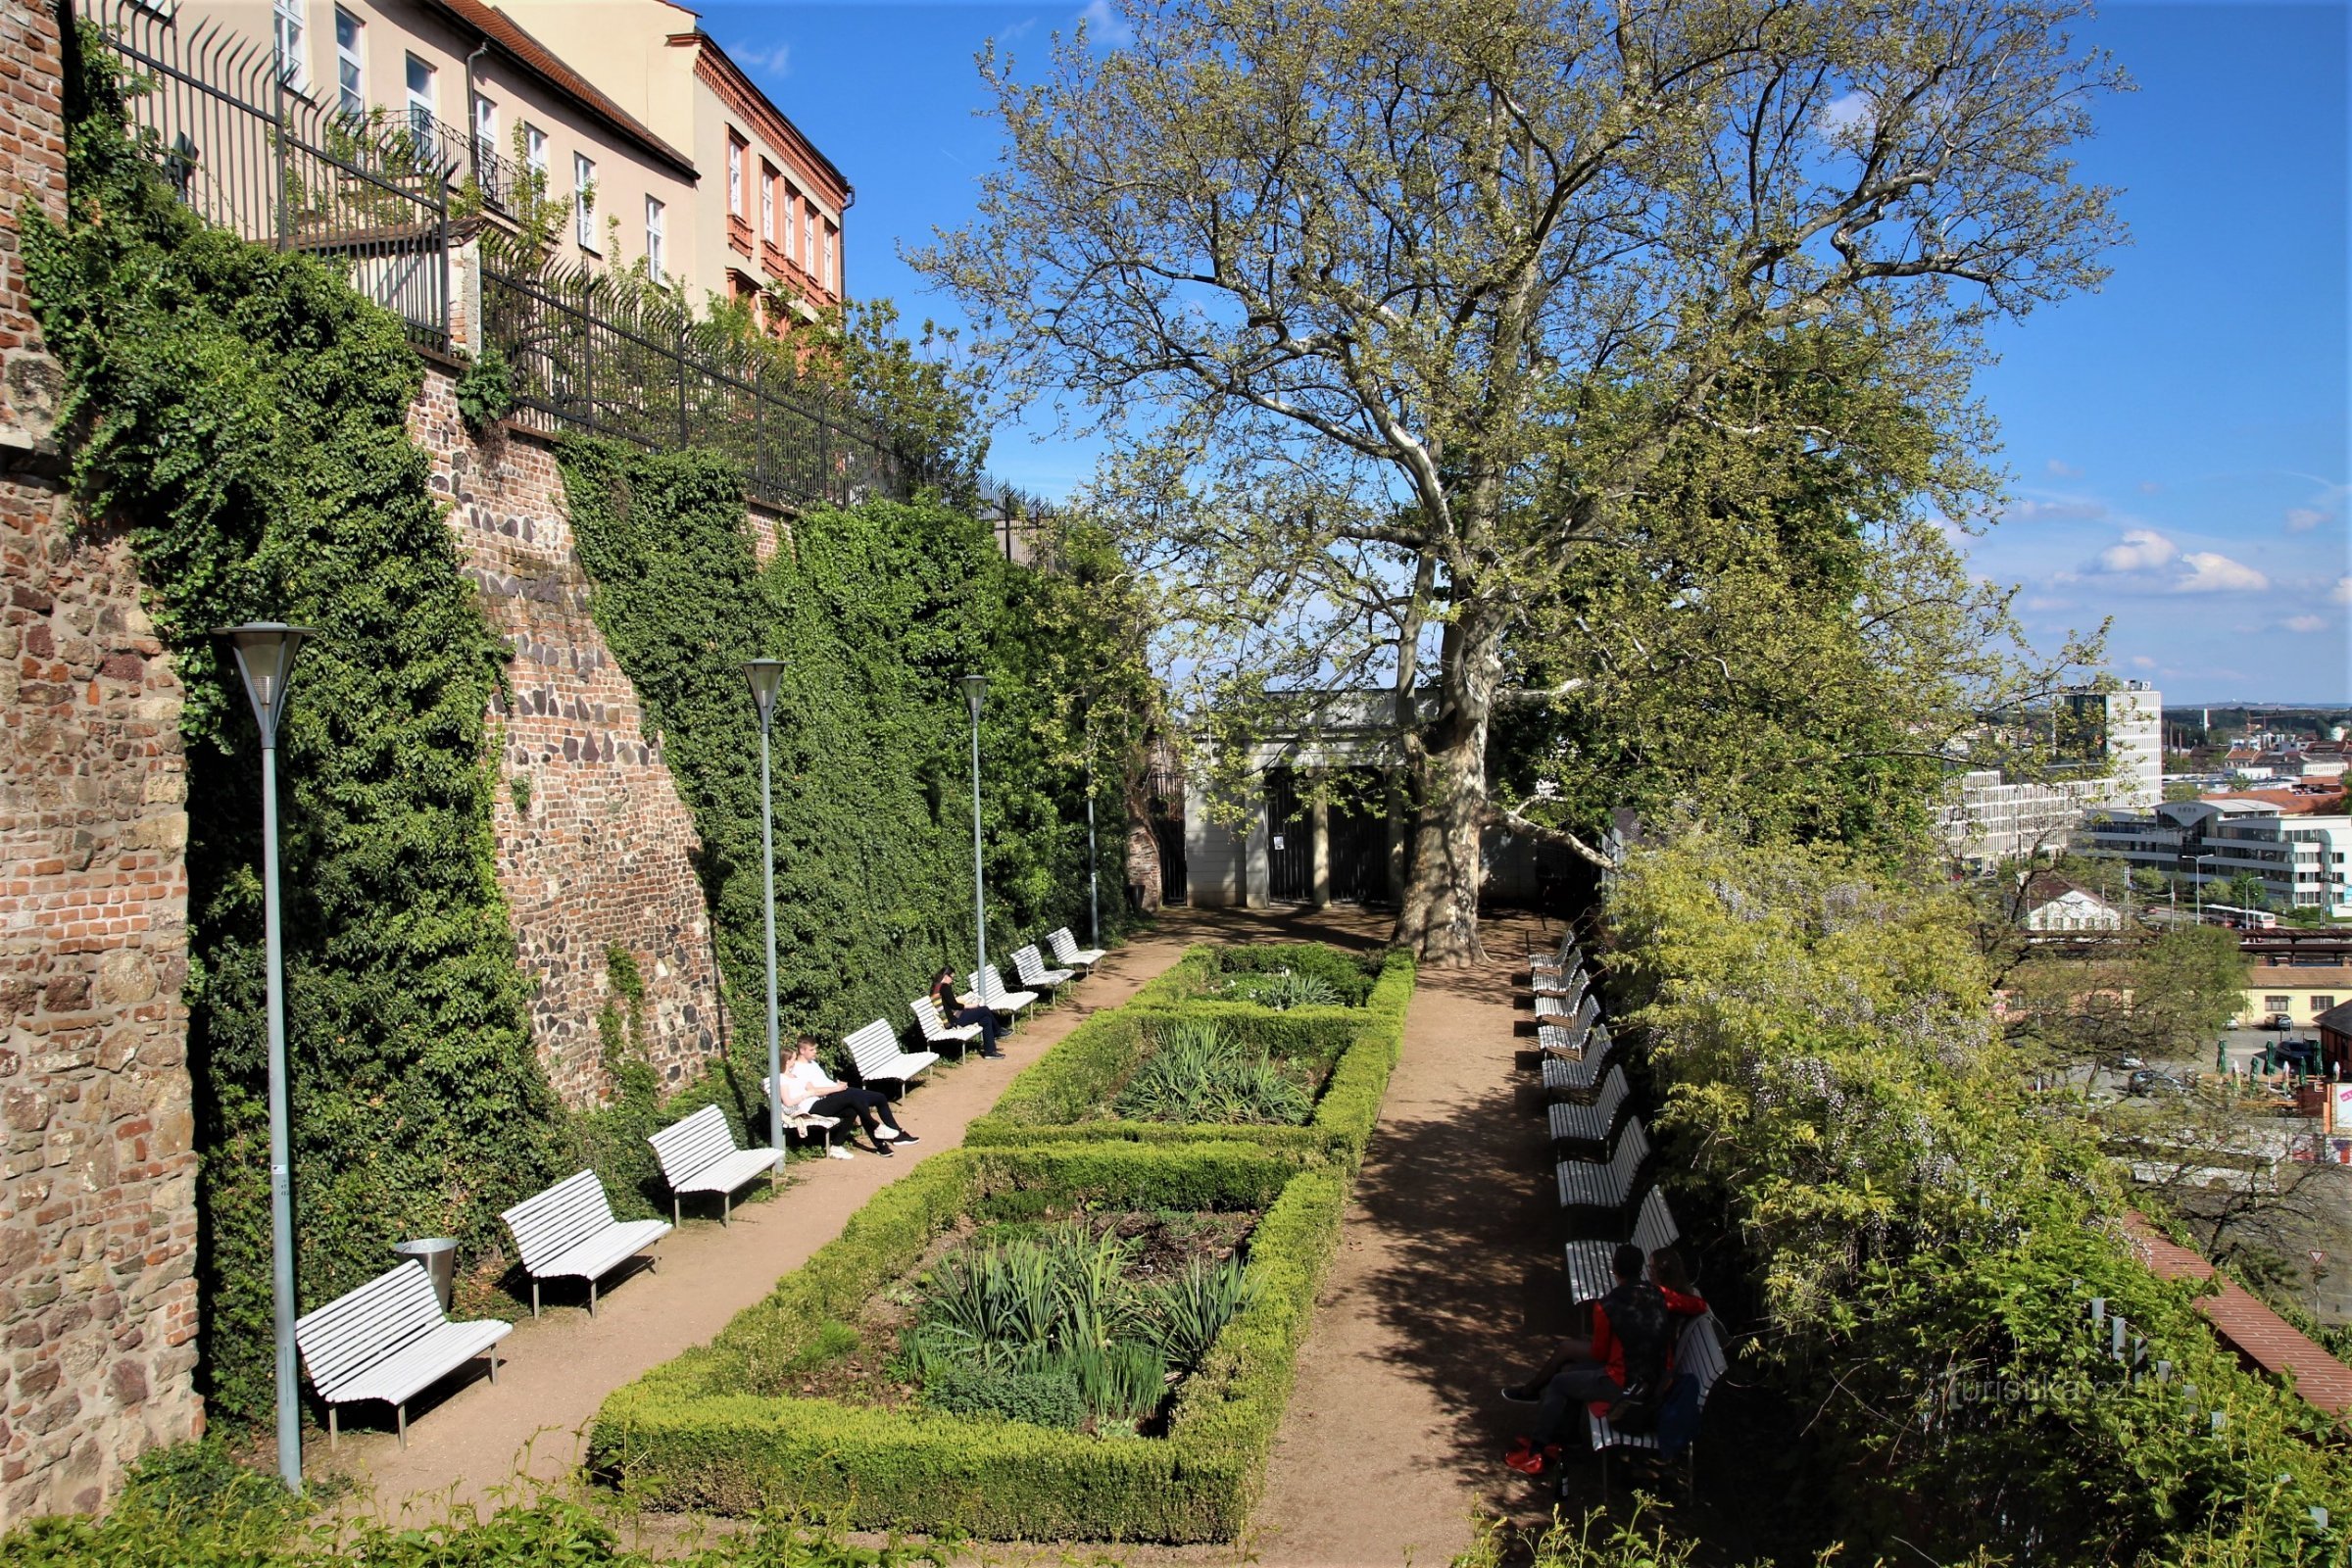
[2148, 1081]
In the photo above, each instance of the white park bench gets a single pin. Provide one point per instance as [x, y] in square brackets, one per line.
[1569, 982]
[1590, 1184]
[936, 1028]
[1698, 1352]
[875, 1051]
[1562, 997]
[568, 1232]
[1557, 961]
[1069, 952]
[1030, 965]
[1590, 1274]
[1573, 1077]
[1572, 1123]
[388, 1340]
[699, 1156]
[995, 996]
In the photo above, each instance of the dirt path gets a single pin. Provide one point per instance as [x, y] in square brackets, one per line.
[1447, 1275]
[479, 1436]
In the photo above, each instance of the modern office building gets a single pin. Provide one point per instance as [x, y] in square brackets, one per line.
[1987, 820]
[2303, 861]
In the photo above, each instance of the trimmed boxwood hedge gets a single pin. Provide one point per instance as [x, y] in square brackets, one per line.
[715, 1428]
[1055, 1100]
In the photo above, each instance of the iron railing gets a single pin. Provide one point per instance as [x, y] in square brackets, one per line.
[253, 155]
[596, 352]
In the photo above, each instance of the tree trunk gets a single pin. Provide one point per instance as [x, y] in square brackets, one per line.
[1437, 914]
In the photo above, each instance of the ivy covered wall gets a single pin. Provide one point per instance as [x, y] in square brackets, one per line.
[242, 412]
[878, 611]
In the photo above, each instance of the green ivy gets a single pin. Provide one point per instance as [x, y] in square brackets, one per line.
[877, 611]
[241, 413]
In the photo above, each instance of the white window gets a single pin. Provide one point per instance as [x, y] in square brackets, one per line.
[826, 277]
[583, 200]
[768, 203]
[734, 174]
[351, 79]
[485, 125]
[285, 34]
[652, 237]
[792, 209]
[809, 242]
[534, 149]
[423, 104]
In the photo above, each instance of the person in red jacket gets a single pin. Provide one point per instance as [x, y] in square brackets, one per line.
[1672, 1276]
[1631, 1336]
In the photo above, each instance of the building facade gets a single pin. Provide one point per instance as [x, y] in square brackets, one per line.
[1987, 820]
[768, 219]
[2303, 861]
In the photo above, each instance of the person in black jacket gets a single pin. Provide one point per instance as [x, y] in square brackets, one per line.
[1631, 1348]
[960, 1010]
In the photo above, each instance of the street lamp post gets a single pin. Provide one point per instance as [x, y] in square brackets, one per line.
[763, 675]
[1093, 867]
[975, 688]
[266, 650]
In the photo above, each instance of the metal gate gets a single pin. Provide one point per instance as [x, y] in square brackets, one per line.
[1290, 841]
[1359, 841]
[1167, 833]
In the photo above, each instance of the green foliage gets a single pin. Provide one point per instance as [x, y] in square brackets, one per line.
[1067, 1095]
[877, 613]
[191, 1507]
[721, 1427]
[1200, 1073]
[1338, 979]
[242, 415]
[1923, 1237]
[1045, 1396]
[1281, 992]
[485, 389]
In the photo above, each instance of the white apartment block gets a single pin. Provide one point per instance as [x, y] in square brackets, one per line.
[2304, 861]
[1987, 820]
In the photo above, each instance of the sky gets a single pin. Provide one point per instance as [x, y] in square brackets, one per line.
[2177, 441]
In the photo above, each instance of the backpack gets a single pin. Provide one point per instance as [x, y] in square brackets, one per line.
[1639, 1318]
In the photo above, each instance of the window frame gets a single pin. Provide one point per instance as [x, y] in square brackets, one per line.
[737, 147]
[656, 234]
[430, 102]
[583, 202]
[351, 97]
[289, 25]
[767, 201]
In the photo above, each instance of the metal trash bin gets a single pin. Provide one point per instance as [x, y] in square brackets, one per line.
[439, 1255]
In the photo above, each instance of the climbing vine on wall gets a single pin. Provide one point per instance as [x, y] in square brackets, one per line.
[242, 412]
[877, 611]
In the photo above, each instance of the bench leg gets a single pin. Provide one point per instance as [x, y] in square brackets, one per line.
[333, 1432]
[534, 1298]
[675, 1218]
[493, 1354]
[726, 1208]
[400, 1421]
[591, 1298]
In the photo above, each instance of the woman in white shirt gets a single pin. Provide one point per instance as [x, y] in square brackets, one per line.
[808, 1092]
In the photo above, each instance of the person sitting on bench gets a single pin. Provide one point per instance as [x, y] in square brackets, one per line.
[1672, 1276]
[1633, 1338]
[807, 1092]
[960, 1010]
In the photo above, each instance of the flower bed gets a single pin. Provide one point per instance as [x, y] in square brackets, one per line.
[1070, 1093]
[731, 1427]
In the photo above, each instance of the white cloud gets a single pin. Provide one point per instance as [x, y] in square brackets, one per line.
[2058, 511]
[2148, 487]
[2212, 573]
[774, 60]
[2142, 550]
[1105, 29]
[2048, 601]
[2063, 471]
[2307, 623]
[1846, 110]
[1019, 27]
[2143, 661]
[2302, 519]
[2341, 594]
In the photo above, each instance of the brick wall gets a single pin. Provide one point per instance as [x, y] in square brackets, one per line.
[97, 1191]
[603, 855]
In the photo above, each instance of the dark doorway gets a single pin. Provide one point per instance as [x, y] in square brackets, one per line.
[1359, 839]
[1290, 841]
[1167, 832]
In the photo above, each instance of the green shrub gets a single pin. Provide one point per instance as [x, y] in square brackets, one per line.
[1047, 1398]
[716, 1428]
[1200, 1073]
[1343, 979]
[1067, 1096]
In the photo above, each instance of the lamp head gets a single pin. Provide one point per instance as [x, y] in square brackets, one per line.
[763, 675]
[975, 688]
[266, 650]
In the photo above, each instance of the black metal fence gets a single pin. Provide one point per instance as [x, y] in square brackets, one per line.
[255, 156]
[592, 351]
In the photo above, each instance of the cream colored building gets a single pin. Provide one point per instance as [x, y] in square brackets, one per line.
[770, 209]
